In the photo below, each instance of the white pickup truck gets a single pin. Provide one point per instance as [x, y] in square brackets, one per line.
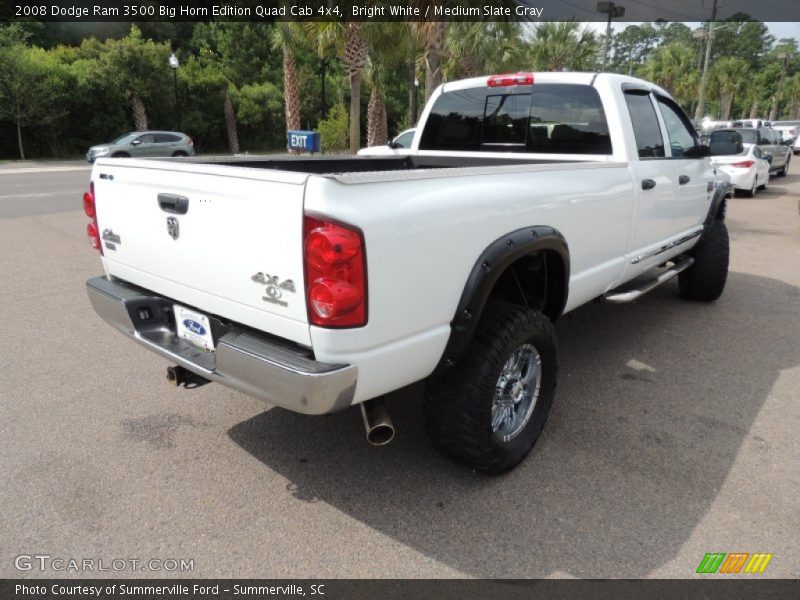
[317, 284]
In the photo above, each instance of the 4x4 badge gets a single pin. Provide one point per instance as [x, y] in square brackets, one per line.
[173, 228]
[275, 287]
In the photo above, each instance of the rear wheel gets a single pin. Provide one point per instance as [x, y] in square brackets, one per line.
[489, 412]
[752, 191]
[705, 279]
[179, 153]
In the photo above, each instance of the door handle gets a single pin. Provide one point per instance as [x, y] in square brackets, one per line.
[172, 203]
[648, 184]
[684, 179]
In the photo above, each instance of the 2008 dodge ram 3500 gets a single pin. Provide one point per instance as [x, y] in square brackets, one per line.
[320, 283]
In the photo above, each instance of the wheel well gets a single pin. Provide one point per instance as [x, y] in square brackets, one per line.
[536, 280]
[723, 206]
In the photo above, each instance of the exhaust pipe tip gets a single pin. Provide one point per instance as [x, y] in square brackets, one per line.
[380, 435]
[377, 422]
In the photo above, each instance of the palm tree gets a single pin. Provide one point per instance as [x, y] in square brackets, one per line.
[285, 37]
[230, 123]
[349, 39]
[729, 77]
[431, 34]
[390, 45]
[672, 66]
[565, 46]
[478, 48]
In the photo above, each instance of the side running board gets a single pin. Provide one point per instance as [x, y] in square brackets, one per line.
[649, 285]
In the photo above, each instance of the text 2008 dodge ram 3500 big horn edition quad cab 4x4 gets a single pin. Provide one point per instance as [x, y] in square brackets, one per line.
[320, 283]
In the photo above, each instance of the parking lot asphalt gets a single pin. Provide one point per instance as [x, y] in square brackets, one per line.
[674, 433]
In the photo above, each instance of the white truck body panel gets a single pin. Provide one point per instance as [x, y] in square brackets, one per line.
[240, 222]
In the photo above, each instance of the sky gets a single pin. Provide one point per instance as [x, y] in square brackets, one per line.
[779, 30]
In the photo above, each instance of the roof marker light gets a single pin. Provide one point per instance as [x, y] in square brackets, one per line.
[510, 79]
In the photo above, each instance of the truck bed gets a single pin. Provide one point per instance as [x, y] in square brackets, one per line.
[339, 165]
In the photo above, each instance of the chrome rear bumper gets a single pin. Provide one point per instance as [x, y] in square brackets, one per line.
[275, 371]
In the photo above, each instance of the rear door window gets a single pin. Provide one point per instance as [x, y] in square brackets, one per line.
[646, 129]
[682, 139]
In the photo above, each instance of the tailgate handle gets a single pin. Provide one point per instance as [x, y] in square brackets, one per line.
[173, 203]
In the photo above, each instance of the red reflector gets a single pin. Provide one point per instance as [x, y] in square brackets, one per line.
[745, 164]
[88, 204]
[92, 229]
[510, 79]
[331, 298]
[336, 276]
[94, 235]
[190, 142]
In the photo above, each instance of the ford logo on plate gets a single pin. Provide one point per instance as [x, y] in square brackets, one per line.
[194, 327]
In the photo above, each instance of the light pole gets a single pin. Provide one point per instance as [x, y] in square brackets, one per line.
[784, 57]
[174, 63]
[613, 11]
[414, 94]
[710, 35]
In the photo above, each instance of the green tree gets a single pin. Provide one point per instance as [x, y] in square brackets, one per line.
[478, 48]
[672, 66]
[350, 41]
[334, 130]
[566, 46]
[728, 78]
[32, 87]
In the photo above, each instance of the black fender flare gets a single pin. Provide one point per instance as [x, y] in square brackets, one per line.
[491, 264]
[723, 191]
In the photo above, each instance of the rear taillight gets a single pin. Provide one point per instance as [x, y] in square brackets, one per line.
[336, 273]
[190, 142]
[745, 164]
[90, 208]
[510, 79]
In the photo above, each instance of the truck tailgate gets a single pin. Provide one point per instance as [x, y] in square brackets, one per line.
[225, 241]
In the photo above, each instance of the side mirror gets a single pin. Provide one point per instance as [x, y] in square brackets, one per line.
[768, 158]
[136, 142]
[703, 151]
[391, 144]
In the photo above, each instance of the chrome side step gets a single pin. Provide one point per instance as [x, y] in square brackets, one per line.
[649, 285]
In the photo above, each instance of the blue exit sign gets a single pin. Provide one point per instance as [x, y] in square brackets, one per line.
[303, 141]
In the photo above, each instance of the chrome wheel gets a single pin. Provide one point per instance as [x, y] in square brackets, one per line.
[516, 392]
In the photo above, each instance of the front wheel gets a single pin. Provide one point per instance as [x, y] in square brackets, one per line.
[785, 169]
[705, 279]
[489, 412]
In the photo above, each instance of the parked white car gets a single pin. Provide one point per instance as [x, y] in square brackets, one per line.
[397, 147]
[745, 164]
[788, 129]
[322, 283]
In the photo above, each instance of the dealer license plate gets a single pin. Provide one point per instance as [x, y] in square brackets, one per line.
[193, 327]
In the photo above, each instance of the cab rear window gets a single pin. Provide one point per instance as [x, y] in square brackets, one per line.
[551, 118]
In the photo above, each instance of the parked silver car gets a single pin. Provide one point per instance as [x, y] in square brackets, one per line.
[145, 143]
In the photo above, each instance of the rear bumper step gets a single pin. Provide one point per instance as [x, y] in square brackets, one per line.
[648, 285]
[256, 365]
